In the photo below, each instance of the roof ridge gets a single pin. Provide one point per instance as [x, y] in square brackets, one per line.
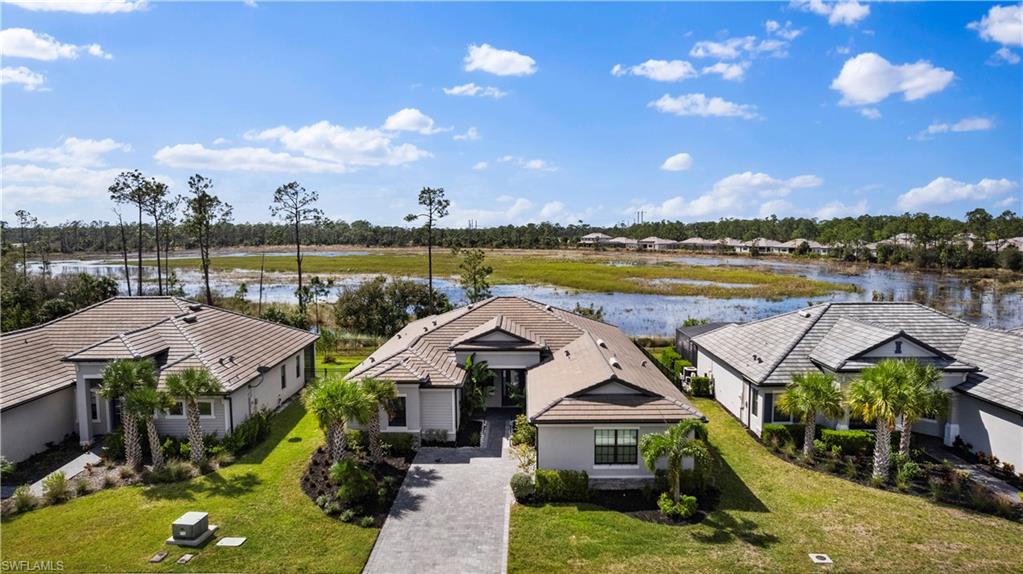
[58, 319]
[798, 339]
[196, 350]
[118, 335]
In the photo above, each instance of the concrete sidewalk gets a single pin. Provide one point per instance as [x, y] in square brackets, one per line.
[71, 469]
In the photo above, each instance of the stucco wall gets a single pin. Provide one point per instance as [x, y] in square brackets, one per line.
[571, 447]
[25, 429]
[266, 391]
[991, 429]
[178, 426]
[729, 388]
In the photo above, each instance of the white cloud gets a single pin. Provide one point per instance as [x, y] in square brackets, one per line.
[552, 209]
[24, 43]
[487, 58]
[470, 134]
[733, 48]
[678, 162]
[471, 89]
[412, 120]
[834, 209]
[510, 210]
[530, 164]
[80, 6]
[868, 79]
[846, 12]
[72, 152]
[870, 113]
[658, 70]
[198, 156]
[22, 76]
[1009, 202]
[1001, 24]
[972, 124]
[701, 105]
[944, 190]
[732, 196]
[785, 31]
[1003, 55]
[734, 72]
[480, 166]
[221, 141]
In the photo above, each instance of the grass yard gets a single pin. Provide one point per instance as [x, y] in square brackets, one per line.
[772, 514]
[582, 272]
[258, 497]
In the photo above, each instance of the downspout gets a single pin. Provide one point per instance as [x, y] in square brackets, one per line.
[230, 412]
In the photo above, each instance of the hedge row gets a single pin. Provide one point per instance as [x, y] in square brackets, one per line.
[562, 485]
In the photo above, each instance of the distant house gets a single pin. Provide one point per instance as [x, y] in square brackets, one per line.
[623, 242]
[699, 244]
[763, 245]
[653, 243]
[815, 247]
[591, 392]
[594, 239]
[983, 368]
[999, 244]
[684, 338]
[51, 373]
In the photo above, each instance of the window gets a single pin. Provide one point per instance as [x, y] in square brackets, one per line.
[298, 365]
[94, 406]
[396, 413]
[754, 401]
[898, 347]
[284, 376]
[205, 409]
[777, 415]
[177, 410]
[615, 446]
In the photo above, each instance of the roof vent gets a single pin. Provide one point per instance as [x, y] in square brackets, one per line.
[601, 343]
[804, 314]
[398, 335]
[470, 305]
[434, 322]
[372, 360]
[195, 307]
[644, 362]
[567, 354]
[190, 318]
[613, 361]
[547, 307]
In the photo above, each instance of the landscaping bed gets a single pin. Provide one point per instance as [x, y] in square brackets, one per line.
[370, 505]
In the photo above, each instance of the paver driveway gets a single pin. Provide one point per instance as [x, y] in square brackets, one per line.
[451, 514]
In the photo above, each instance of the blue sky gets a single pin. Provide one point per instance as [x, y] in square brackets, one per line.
[580, 111]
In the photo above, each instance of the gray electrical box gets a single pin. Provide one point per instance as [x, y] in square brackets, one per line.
[191, 526]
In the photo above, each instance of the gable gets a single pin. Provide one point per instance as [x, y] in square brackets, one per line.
[905, 346]
[611, 388]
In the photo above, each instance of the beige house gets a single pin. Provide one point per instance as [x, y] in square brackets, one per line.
[591, 392]
[51, 373]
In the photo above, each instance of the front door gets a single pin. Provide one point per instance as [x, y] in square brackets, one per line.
[513, 388]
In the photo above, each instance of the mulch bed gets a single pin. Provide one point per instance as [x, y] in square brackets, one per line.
[316, 480]
[643, 506]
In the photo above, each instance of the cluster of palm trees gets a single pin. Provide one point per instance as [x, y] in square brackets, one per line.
[337, 402]
[890, 392]
[134, 384]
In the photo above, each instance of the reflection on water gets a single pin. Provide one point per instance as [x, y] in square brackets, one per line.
[982, 302]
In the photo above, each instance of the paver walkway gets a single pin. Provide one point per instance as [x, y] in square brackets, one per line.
[451, 514]
[938, 451]
[71, 469]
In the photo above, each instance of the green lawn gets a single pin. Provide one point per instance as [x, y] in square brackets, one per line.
[258, 497]
[772, 514]
[580, 271]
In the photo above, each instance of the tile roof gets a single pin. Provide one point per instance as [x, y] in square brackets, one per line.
[770, 351]
[499, 323]
[40, 360]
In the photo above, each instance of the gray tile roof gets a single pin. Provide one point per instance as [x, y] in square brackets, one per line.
[694, 330]
[770, 351]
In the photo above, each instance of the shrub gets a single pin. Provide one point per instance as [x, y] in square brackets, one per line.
[525, 432]
[937, 488]
[348, 515]
[562, 485]
[81, 487]
[791, 433]
[684, 508]
[522, 486]
[367, 522]
[56, 488]
[852, 442]
[113, 444]
[24, 500]
[7, 467]
[435, 436]
[701, 387]
[355, 484]
[668, 358]
[322, 501]
[126, 472]
[399, 443]
[174, 470]
[108, 481]
[526, 456]
[249, 433]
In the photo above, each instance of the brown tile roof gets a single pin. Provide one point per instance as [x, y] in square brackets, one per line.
[499, 323]
[40, 360]
[618, 408]
[579, 354]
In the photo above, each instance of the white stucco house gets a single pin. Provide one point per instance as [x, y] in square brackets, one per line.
[50, 374]
[982, 368]
[591, 392]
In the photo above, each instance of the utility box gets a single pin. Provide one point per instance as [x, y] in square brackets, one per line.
[191, 529]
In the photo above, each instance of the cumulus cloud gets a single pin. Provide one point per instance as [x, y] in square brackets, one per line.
[1001, 24]
[733, 48]
[942, 190]
[1003, 55]
[71, 152]
[834, 209]
[487, 58]
[972, 124]
[507, 210]
[678, 162]
[658, 70]
[412, 120]
[846, 12]
[785, 31]
[470, 134]
[733, 195]
[728, 71]
[870, 113]
[23, 77]
[81, 6]
[530, 164]
[480, 166]
[701, 105]
[471, 89]
[868, 79]
[25, 43]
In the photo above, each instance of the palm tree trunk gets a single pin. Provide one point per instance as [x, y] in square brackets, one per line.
[132, 441]
[907, 431]
[882, 450]
[376, 453]
[676, 484]
[338, 441]
[154, 444]
[197, 450]
[810, 423]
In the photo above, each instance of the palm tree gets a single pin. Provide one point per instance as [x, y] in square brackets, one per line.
[923, 398]
[808, 395]
[143, 403]
[686, 439]
[335, 402]
[477, 376]
[381, 393]
[188, 386]
[120, 378]
[877, 396]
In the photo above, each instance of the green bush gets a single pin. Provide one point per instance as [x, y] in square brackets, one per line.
[6, 467]
[113, 444]
[783, 433]
[24, 500]
[355, 484]
[367, 522]
[701, 386]
[56, 488]
[852, 442]
[399, 443]
[684, 508]
[249, 433]
[525, 432]
[562, 485]
[174, 470]
[522, 486]
[348, 515]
